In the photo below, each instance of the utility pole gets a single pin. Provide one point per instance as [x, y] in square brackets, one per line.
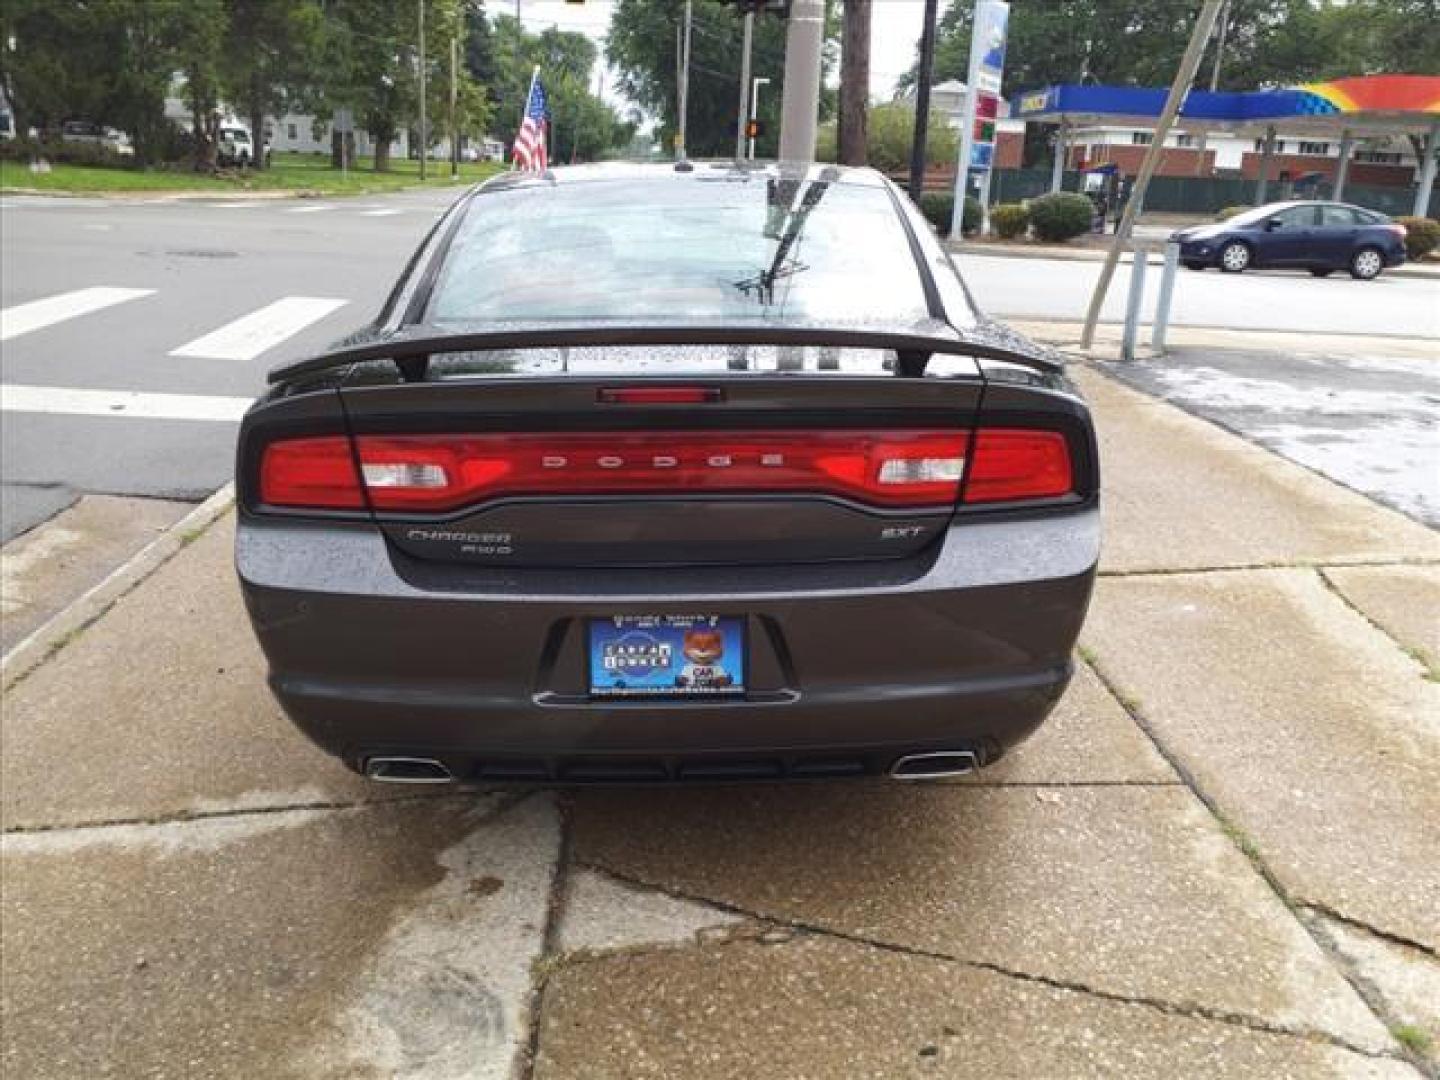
[684, 82]
[922, 103]
[1189, 64]
[854, 83]
[1215, 80]
[743, 110]
[420, 4]
[800, 96]
[454, 93]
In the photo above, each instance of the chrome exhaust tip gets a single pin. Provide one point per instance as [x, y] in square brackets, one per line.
[407, 770]
[934, 765]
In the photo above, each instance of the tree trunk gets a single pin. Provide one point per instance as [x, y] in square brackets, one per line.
[257, 134]
[205, 125]
[256, 116]
[381, 136]
[854, 83]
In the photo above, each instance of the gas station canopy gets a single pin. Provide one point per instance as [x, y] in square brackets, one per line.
[1362, 105]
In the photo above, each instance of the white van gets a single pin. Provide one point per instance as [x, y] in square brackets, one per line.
[236, 146]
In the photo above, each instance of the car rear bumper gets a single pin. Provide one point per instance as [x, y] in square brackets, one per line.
[373, 653]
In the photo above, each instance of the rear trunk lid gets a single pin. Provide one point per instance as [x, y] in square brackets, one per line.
[663, 455]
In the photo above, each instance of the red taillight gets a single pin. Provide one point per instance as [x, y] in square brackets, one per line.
[445, 472]
[892, 469]
[1011, 464]
[316, 472]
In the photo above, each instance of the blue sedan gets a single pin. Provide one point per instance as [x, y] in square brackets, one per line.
[1321, 237]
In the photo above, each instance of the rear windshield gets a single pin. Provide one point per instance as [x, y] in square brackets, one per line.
[678, 251]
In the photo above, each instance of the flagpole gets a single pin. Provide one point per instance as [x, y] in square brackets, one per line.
[525, 109]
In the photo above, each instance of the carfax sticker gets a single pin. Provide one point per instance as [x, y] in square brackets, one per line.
[667, 655]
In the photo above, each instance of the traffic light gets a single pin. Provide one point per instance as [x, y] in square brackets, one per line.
[754, 129]
[761, 7]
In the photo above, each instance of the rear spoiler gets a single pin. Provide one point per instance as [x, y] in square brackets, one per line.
[412, 347]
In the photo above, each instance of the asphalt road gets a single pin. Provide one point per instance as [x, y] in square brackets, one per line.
[1258, 300]
[171, 297]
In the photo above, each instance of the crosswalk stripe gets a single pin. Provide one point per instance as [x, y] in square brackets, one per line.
[308, 209]
[250, 335]
[38, 314]
[133, 404]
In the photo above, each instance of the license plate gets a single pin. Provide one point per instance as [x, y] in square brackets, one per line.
[650, 656]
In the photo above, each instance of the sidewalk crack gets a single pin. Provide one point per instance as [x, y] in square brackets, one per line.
[1388, 936]
[1234, 568]
[1362, 987]
[1187, 1010]
[555, 909]
[1429, 664]
[187, 817]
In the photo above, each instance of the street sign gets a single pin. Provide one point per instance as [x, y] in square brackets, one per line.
[982, 104]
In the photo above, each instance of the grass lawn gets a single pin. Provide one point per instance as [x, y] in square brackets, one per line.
[293, 173]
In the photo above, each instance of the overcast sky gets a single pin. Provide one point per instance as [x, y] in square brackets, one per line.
[895, 30]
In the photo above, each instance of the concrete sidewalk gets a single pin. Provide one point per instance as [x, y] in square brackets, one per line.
[1216, 859]
[1094, 251]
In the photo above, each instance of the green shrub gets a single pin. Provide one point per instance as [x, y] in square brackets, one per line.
[63, 153]
[939, 206]
[1422, 235]
[1226, 213]
[1061, 216]
[890, 129]
[1010, 220]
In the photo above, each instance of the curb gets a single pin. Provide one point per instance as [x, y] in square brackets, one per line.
[1155, 247]
[48, 639]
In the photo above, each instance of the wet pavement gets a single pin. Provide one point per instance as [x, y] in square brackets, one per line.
[1370, 422]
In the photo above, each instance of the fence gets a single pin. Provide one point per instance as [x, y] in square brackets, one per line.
[1205, 195]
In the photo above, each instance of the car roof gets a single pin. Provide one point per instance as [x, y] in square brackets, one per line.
[681, 172]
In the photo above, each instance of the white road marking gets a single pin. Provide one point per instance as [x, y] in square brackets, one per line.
[250, 335]
[236, 205]
[135, 404]
[388, 212]
[38, 314]
[308, 209]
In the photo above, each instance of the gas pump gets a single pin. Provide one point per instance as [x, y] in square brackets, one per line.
[1102, 185]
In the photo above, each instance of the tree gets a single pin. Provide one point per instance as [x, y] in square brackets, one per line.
[202, 25]
[109, 63]
[268, 59]
[583, 126]
[854, 82]
[890, 131]
[368, 50]
[642, 46]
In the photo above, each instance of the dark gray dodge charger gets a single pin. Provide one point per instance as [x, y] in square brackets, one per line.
[662, 473]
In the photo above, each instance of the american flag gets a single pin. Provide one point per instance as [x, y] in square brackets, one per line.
[529, 152]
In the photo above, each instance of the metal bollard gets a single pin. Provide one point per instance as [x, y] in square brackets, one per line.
[1167, 293]
[1132, 304]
